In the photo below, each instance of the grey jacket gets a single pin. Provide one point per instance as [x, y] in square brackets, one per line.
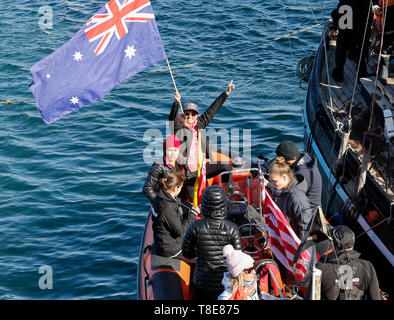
[294, 204]
[307, 167]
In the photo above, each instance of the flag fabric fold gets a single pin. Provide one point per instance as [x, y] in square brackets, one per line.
[120, 40]
[317, 234]
[282, 239]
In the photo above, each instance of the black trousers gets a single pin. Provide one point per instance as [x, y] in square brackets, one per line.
[349, 42]
[212, 169]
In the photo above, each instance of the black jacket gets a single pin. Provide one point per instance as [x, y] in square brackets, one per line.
[169, 224]
[294, 204]
[306, 165]
[205, 239]
[185, 134]
[347, 268]
[151, 186]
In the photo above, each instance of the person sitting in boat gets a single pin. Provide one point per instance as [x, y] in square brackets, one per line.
[169, 221]
[240, 282]
[345, 276]
[205, 239]
[288, 191]
[191, 124]
[170, 162]
[304, 164]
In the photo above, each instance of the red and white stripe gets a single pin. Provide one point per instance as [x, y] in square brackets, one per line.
[282, 239]
[105, 25]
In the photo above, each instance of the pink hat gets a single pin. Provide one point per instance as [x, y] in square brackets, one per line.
[172, 141]
[236, 260]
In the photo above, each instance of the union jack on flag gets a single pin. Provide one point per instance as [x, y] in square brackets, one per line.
[282, 239]
[114, 21]
[94, 61]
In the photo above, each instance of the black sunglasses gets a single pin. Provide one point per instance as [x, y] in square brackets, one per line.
[249, 270]
[193, 114]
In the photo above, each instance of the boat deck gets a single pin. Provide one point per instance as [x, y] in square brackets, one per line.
[338, 97]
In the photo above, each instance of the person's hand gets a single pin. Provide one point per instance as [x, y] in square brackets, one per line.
[177, 96]
[197, 209]
[375, 8]
[230, 87]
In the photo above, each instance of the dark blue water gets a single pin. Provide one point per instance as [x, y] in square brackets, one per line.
[70, 192]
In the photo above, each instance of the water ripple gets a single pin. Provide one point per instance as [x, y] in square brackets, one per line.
[71, 191]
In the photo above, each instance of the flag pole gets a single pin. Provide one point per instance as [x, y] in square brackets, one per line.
[173, 81]
[196, 184]
[261, 181]
[316, 277]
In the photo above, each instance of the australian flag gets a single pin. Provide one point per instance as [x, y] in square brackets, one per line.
[120, 40]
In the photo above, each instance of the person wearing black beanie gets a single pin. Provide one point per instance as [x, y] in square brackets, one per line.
[304, 164]
[344, 275]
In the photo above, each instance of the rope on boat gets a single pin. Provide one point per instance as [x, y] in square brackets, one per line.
[9, 101]
[361, 180]
[304, 69]
[362, 176]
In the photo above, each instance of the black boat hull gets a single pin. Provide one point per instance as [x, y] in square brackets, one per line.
[321, 139]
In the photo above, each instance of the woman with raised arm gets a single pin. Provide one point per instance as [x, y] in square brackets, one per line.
[189, 125]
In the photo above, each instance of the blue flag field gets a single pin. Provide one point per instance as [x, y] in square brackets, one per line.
[120, 40]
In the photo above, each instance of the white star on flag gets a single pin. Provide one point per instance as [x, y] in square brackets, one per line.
[130, 52]
[48, 75]
[74, 100]
[77, 56]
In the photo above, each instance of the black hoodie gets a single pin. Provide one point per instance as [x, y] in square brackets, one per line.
[345, 268]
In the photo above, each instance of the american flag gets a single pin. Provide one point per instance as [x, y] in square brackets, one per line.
[282, 239]
[117, 42]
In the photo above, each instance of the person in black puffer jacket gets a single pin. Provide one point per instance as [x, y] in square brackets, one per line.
[205, 238]
[171, 162]
[169, 222]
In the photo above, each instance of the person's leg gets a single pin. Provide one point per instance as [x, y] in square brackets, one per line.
[214, 169]
[340, 55]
